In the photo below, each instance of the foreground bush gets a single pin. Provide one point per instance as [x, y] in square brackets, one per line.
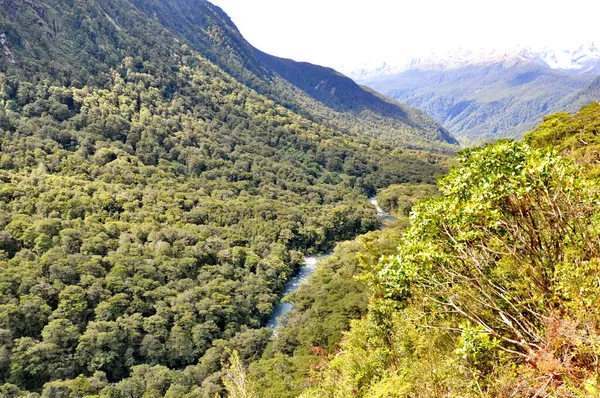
[494, 290]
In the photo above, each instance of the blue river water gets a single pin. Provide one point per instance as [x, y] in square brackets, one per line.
[277, 318]
[282, 308]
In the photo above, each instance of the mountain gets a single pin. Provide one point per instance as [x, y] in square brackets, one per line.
[590, 93]
[319, 93]
[482, 95]
[584, 60]
[160, 183]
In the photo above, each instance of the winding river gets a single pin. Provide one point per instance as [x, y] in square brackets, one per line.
[277, 318]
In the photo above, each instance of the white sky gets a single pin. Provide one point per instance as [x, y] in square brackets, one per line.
[348, 34]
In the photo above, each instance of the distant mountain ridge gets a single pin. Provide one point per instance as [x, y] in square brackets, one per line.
[486, 95]
[584, 60]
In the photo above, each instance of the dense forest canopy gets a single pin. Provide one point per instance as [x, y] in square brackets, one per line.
[161, 180]
[152, 206]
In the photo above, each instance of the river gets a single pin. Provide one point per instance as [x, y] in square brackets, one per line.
[277, 317]
[384, 216]
[282, 307]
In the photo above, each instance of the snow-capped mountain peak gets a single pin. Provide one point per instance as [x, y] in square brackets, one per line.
[582, 60]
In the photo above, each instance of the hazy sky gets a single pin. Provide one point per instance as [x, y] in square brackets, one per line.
[348, 34]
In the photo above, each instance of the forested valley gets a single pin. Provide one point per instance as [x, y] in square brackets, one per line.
[489, 289]
[153, 205]
[161, 180]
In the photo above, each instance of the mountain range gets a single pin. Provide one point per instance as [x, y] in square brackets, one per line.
[583, 60]
[481, 95]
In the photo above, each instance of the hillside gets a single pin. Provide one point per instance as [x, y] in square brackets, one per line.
[153, 205]
[318, 93]
[338, 102]
[486, 101]
[590, 93]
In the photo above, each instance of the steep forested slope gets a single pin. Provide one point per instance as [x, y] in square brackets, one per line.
[488, 101]
[36, 30]
[152, 205]
[319, 93]
[590, 93]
